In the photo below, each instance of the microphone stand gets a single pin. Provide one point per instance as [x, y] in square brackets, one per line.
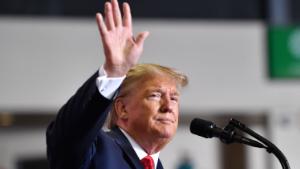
[270, 147]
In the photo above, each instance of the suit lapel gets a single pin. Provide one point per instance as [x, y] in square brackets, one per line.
[125, 145]
[159, 165]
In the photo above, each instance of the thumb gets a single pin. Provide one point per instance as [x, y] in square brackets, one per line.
[141, 38]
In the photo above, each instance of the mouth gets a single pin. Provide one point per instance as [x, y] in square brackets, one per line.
[165, 120]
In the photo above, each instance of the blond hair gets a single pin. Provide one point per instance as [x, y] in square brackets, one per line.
[138, 73]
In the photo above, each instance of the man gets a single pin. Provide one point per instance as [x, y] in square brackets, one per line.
[143, 113]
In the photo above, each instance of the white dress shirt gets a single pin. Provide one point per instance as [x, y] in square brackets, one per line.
[139, 150]
[108, 86]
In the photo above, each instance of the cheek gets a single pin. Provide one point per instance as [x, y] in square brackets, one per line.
[142, 113]
[149, 108]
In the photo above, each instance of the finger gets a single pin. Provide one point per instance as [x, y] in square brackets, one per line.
[109, 20]
[127, 19]
[116, 13]
[141, 38]
[101, 25]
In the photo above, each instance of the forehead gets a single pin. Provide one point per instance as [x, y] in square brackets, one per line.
[158, 81]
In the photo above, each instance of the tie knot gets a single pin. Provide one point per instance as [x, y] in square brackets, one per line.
[148, 162]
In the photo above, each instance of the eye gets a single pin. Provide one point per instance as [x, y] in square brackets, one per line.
[155, 95]
[175, 98]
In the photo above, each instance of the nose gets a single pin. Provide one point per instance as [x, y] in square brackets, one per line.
[166, 105]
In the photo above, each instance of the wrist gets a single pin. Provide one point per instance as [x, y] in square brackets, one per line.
[115, 71]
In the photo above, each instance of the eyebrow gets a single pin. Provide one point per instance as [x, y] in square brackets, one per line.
[176, 93]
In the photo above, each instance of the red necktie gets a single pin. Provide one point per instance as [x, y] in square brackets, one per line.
[148, 162]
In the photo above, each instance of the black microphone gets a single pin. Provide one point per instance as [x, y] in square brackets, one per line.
[208, 129]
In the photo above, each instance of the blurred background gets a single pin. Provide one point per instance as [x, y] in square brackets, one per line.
[242, 58]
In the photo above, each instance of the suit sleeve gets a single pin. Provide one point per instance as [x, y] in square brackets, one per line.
[72, 133]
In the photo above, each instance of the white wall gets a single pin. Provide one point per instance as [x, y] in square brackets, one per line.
[44, 60]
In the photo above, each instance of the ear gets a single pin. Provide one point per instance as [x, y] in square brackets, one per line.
[120, 109]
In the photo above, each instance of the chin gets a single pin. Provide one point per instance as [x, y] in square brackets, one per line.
[167, 133]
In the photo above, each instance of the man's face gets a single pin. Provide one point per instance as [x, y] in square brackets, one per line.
[152, 108]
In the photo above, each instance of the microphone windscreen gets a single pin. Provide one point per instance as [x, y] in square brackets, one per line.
[202, 128]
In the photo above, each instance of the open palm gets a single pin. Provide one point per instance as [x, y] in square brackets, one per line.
[121, 49]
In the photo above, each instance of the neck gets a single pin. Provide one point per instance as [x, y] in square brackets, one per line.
[150, 147]
[149, 144]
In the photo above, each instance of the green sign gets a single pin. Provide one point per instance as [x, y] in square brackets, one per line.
[284, 51]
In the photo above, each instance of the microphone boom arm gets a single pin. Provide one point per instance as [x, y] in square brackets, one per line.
[270, 147]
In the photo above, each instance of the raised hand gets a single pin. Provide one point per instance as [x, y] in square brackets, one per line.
[121, 49]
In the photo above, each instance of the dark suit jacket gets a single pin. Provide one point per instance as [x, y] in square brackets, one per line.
[75, 140]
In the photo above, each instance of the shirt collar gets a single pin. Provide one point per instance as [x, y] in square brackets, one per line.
[139, 150]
